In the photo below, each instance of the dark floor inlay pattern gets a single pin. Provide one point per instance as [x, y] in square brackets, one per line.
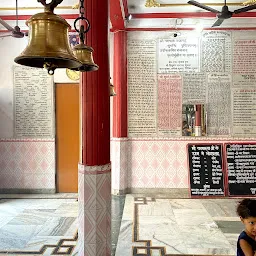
[56, 248]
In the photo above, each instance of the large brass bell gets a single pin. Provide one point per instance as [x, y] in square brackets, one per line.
[48, 45]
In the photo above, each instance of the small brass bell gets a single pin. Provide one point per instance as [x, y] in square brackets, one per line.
[82, 52]
[48, 45]
[111, 90]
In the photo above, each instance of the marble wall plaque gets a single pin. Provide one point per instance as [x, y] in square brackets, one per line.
[33, 103]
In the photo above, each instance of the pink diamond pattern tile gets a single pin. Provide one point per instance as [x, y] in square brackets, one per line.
[152, 163]
[27, 164]
[96, 208]
[165, 147]
[158, 163]
[144, 147]
[155, 163]
[155, 148]
[176, 164]
[160, 179]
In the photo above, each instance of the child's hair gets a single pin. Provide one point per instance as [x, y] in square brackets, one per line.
[246, 208]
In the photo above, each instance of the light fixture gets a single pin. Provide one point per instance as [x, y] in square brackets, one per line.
[177, 21]
[48, 45]
[82, 52]
[176, 33]
[128, 17]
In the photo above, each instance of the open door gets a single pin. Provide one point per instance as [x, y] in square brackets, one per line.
[67, 137]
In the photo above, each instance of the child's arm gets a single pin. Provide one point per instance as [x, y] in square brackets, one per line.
[246, 248]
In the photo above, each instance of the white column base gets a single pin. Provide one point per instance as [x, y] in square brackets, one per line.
[198, 131]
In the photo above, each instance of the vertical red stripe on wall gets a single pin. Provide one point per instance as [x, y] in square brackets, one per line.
[120, 83]
[95, 88]
[126, 11]
[198, 115]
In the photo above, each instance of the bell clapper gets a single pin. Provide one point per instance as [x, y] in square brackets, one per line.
[50, 68]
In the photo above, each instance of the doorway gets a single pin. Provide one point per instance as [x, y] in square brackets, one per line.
[67, 137]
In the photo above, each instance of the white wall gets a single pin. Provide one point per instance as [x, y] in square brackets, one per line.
[26, 165]
[9, 49]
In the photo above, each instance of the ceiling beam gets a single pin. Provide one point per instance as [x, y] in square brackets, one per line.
[188, 15]
[35, 8]
[154, 3]
[26, 17]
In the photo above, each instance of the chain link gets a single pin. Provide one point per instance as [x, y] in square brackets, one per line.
[82, 31]
[81, 9]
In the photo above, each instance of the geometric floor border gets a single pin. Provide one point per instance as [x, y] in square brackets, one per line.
[56, 251]
[148, 249]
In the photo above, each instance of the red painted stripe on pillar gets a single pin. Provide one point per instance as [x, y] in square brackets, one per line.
[126, 11]
[95, 88]
[116, 16]
[120, 83]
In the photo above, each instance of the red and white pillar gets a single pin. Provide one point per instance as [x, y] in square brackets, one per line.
[119, 143]
[198, 116]
[94, 231]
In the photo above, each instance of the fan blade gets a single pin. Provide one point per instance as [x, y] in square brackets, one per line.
[207, 8]
[245, 9]
[6, 25]
[5, 35]
[217, 23]
[17, 34]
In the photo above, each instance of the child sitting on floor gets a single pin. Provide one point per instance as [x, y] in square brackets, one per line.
[246, 244]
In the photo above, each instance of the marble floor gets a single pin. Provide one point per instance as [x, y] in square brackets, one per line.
[160, 227]
[46, 224]
[150, 226]
[38, 226]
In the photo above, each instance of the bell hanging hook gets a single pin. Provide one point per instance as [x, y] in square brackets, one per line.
[50, 6]
[82, 52]
[82, 31]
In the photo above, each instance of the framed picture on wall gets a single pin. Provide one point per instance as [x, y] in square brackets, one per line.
[193, 120]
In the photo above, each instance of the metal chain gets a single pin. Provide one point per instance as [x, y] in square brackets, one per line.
[17, 13]
[81, 9]
[82, 31]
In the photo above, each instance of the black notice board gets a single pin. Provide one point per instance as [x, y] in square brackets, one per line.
[206, 170]
[241, 169]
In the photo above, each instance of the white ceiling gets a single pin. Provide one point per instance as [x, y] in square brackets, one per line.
[182, 8]
[138, 6]
[30, 7]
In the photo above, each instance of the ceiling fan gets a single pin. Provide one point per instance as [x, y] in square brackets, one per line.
[225, 13]
[15, 31]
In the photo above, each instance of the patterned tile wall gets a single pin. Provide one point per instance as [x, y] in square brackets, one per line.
[94, 207]
[27, 164]
[158, 164]
[152, 163]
